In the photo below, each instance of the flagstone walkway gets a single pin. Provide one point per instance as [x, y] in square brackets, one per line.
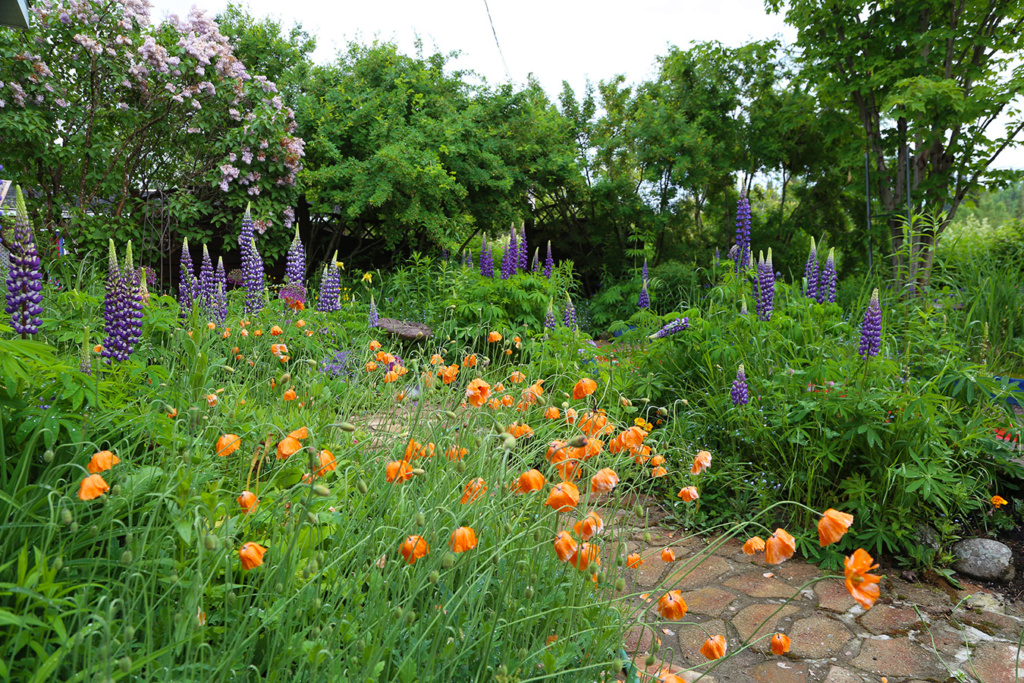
[914, 633]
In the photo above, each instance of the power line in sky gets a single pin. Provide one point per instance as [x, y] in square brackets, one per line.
[500, 53]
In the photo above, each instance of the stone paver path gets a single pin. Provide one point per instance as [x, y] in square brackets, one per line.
[914, 633]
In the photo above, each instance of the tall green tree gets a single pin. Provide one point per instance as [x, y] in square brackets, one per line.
[929, 76]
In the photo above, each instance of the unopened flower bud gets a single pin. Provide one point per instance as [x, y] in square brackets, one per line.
[312, 518]
[434, 577]
[321, 490]
[448, 561]
[211, 542]
[578, 441]
[651, 659]
[129, 632]
[66, 516]
[451, 414]
[279, 587]
[125, 664]
[347, 427]
[73, 527]
[620, 584]
[286, 377]
[362, 487]
[647, 537]
[528, 593]
[48, 456]
[460, 466]
[420, 519]
[418, 471]
[508, 442]
[58, 564]
[396, 612]
[663, 412]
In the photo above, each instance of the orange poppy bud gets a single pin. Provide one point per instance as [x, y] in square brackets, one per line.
[494, 337]
[173, 414]
[585, 387]
[604, 481]
[414, 548]
[589, 526]
[780, 644]
[101, 462]
[671, 606]
[287, 447]
[92, 487]
[228, 444]
[779, 548]
[563, 496]
[531, 480]
[667, 555]
[714, 648]
[276, 331]
[251, 555]
[552, 413]
[633, 561]
[398, 471]
[565, 546]
[753, 545]
[689, 494]
[463, 539]
[374, 345]
[832, 526]
[248, 501]
[863, 587]
[474, 490]
[288, 395]
[701, 462]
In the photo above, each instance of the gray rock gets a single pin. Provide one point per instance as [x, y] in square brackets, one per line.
[928, 536]
[404, 329]
[983, 558]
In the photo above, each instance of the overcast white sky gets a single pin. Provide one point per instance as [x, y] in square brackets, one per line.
[554, 40]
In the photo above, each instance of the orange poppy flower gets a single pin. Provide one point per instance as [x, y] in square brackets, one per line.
[227, 333]
[247, 501]
[463, 539]
[244, 333]
[586, 554]
[101, 462]
[228, 444]
[301, 307]
[279, 349]
[477, 392]
[98, 348]
[300, 433]
[469, 361]
[251, 555]
[92, 487]
[589, 526]
[998, 502]
[671, 606]
[414, 548]
[400, 370]
[173, 414]
[659, 472]
[595, 423]
[656, 460]
[565, 546]
[398, 471]
[258, 333]
[276, 331]
[531, 393]
[455, 453]
[531, 480]
[563, 496]
[604, 481]
[327, 463]
[506, 400]
[494, 403]
[668, 555]
[371, 366]
[863, 587]
[288, 395]
[211, 326]
[520, 430]
[568, 469]
[494, 337]
[832, 525]
[385, 357]
[415, 449]
[780, 644]
[570, 415]
[701, 462]
[374, 345]
[779, 548]
[449, 373]
[585, 387]
[517, 377]
[391, 376]
[552, 413]
[555, 451]
[689, 494]
[633, 561]
[753, 545]
[287, 446]
[668, 677]
[474, 490]
[211, 400]
[714, 648]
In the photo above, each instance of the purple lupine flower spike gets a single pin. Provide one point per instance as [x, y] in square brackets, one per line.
[207, 283]
[644, 301]
[765, 302]
[740, 393]
[132, 308]
[486, 259]
[122, 307]
[569, 314]
[524, 251]
[510, 259]
[827, 280]
[549, 263]
[295, 263]
[536, 260]
[549, 318]
[373, 316]
[186, 281]
[220, 295]
[24, 278]
[330, 288]
[252, 277]
[469, 259]
[743, 233]
[743, 305]
[677, 325]
[811, 270]
[5, 268]
[871, 328]
[248, 233]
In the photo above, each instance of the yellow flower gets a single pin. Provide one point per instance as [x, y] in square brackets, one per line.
[368, 277]
[340, 264]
